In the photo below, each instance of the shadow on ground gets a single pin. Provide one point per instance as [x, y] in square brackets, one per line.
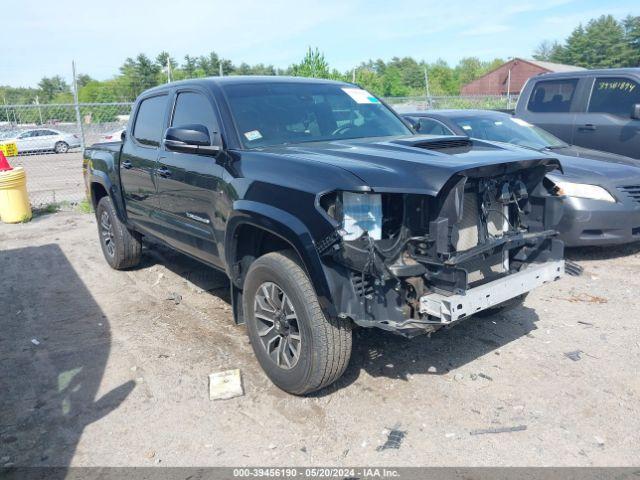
[602, 253]
[54, 346]
[383, 354]
[377, 352]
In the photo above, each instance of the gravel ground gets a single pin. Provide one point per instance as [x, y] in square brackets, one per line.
[102, 368]
[52, 177]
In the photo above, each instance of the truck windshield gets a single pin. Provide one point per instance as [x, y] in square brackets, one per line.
[286, 113]
[508, 129]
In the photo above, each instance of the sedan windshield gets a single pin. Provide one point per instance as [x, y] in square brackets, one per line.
[284, 113]
[508, 129]
[9, 134]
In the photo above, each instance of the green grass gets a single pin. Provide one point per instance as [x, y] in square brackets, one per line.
[85, 206]
[46, 209]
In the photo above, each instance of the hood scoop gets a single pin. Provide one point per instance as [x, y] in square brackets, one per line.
[446, 144]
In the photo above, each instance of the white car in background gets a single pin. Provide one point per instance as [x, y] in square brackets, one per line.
[41, 139]
[115, 136]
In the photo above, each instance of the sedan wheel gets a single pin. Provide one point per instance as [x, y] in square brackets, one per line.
[61, 147]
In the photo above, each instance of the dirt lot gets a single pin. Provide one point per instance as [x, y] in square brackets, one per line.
[119, 374]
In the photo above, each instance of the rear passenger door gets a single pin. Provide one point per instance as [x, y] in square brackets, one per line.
[606, 123]
[138, 161]
[552, 106]
[190, 185]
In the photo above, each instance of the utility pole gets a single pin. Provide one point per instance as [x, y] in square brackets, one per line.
[77, 105]
[509, 89]
[37, 102]
[353, 76]
[220, 68]
[168, 70]
[426, 86]
[6, 109]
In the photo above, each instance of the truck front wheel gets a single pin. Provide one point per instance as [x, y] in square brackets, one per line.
[298, 347]
[121, 247]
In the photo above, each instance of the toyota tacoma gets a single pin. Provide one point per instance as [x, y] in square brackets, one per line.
[326, 210]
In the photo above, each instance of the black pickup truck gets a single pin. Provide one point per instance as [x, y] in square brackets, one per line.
[325, 210]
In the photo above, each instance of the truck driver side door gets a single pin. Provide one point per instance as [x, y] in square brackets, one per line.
[190, 185]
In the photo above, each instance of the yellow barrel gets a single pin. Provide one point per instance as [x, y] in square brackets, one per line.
[14, 201]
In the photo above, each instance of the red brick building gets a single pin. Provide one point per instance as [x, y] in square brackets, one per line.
[497, 81]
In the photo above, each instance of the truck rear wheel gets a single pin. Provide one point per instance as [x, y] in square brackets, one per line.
[298, 347]
[121, 247]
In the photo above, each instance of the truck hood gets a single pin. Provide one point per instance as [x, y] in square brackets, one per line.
[414, 164]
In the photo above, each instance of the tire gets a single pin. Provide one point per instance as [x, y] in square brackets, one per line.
[61, 147]
[323, 345]
[121, 247]
[504, 306]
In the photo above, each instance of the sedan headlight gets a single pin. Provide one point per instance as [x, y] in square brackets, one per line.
[583, 190]
[361, 212]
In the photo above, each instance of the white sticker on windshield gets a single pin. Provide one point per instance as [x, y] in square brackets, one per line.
[521, 122]
[360, 95]
[253, 135]
[467, 127]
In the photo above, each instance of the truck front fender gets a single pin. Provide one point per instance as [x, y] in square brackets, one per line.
[291, 230]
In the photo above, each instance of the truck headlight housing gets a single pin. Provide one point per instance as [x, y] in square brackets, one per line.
[584, 190]
[357, 213]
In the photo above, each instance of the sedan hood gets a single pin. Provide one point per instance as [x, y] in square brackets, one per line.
[584, 153]
[415, 164]
[588, 170]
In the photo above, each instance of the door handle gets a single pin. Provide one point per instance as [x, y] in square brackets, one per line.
[163, 172]
[126, 164]
[588, 126]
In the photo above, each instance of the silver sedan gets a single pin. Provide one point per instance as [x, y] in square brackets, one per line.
[41, 139]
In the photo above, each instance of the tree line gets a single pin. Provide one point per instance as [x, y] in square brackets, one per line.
[602, 42]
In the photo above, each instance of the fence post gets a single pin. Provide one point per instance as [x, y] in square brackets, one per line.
[77, 105]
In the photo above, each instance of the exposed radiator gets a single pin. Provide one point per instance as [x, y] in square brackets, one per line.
[468, 233]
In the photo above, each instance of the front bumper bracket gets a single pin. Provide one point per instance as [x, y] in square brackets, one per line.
[455, 307]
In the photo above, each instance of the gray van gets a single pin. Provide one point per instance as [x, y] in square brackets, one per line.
[598, 109]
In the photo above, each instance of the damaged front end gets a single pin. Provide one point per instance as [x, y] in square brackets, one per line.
[413, 263]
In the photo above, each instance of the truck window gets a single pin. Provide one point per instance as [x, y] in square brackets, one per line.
[192, 108]
[615, 95]
[552, 96]
[150, 120]
[288, 113]
[432, 127]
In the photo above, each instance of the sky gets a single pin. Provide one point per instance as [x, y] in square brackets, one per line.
[42, 38]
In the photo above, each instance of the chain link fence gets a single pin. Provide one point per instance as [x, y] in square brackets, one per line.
[482, 102]
[49, 143]
[49, 138]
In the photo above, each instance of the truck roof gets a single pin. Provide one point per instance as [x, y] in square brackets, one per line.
[245, 79]
[587, 73]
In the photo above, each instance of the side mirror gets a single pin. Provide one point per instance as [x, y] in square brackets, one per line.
[192, 138]
[635, 112]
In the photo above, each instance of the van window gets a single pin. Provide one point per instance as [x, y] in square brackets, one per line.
[150, 120]
[615, 95]
[552, 96]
